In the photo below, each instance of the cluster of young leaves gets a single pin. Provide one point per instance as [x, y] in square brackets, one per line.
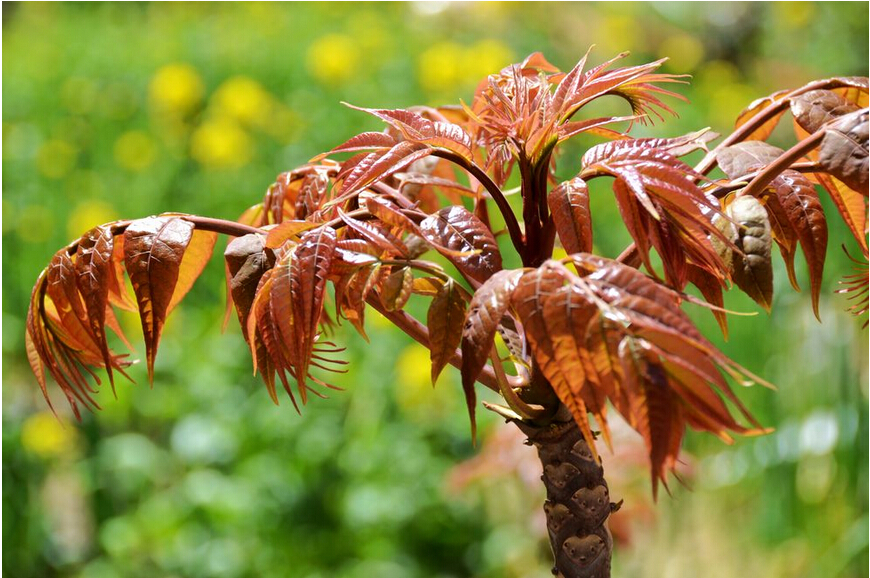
[72, 302]
[782, 205]
[604, 332]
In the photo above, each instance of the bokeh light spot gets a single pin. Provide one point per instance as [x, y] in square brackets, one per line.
[135, 151]
[176, 88]
[42, 434]
[220, 143]
[332, 59]
[56, 158]
[88, 215]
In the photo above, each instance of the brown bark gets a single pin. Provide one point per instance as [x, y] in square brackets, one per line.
[578, 501]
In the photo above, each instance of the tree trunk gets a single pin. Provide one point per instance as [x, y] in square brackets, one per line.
[578, 501]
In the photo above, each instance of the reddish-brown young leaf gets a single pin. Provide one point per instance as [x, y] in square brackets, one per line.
[445, 320]
[814, 108]
[711, 288]
[754, 108]
[397, 289]
[657, 412]
[416, 128]
[287, 230]
[569, 207]
[801, 206]
[364, 142]
[529, 298]
[74, 329]
[267, 349]
[783, 233]
[93, 268]
[309, 267]
[389, 213]
[153, 251]
[844, 153]
[464, 239]
[744, 158]
[196, 256]
[485, 311]
[851, 204]
[378, 236]
[379, 165]
[247, 260]
[567, 313]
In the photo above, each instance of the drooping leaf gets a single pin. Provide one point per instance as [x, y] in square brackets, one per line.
[567, 313]
[711, 289]
[756, 107]
[746, 157]
[814, 108]
[247, 260]
[464, 239]
[569, 206]
[851, 204]
[532, 292]
[153, 251]
[800, 205]
[752, 269]
[485, 311]
[445, 320]
[658, 415]
[397, 289]
[196, 256]
[93, 267]
[309, 268]
[844, 153]
[380, 237]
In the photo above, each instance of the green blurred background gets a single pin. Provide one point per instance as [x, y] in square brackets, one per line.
[125, 110]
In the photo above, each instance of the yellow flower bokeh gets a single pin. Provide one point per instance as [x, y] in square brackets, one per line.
[176, 88]
[244, 100]
[56, 158]
[88, 215]
[447, 65]
[683, 51]
[332, 58]
[135, 151]
[439, 66]
[42, 434]
[221, 143]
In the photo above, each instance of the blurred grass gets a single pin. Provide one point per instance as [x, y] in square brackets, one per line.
[115, 110]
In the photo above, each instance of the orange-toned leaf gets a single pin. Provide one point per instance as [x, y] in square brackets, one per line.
[444, 320]
[851, 204]
[485, 311]
[464, 239]
[801, 206]
[844, 152]
[814, 108]
[93, 268]
[569, 207]
[153, 251]
[397, 289]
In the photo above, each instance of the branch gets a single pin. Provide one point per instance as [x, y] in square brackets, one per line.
[771, 171]
[709, 161]
[420, 334]
[501, 201]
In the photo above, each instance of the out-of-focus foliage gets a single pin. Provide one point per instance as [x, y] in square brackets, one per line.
[114, 109]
